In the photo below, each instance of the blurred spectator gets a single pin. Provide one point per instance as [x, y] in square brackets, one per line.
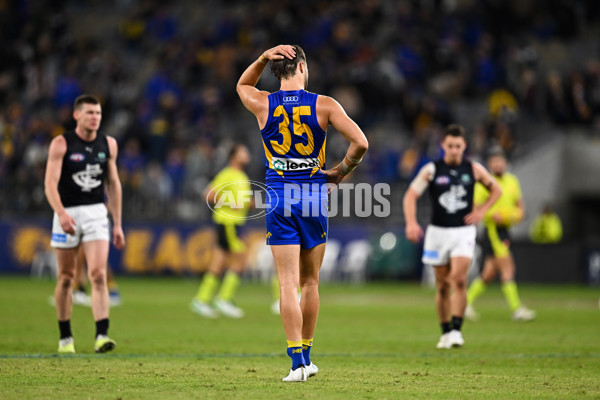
[156, 183]
[175, 168]
[131, 164]
[556, 100]
[167, 71]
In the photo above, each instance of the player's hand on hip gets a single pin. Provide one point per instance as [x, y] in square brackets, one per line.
[118, 237]
[414, 232]
[333, 176]
[280, 52]
[67, 223]
[474, 217]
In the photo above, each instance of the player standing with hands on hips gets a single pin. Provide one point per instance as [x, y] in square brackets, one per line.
[450, 238]
[293, 124]
[81, 165]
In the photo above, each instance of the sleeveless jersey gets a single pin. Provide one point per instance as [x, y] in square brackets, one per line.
[294, 142]
[451, 191]
[83, 170]
[236, 183]
[506, 205]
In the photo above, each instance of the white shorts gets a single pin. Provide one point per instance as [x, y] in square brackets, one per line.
[442, 244]
[91, 223]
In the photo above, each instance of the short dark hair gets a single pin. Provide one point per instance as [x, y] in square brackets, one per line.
[455, 130]
[495, 151]
[234, 149]
[286, 68]
[85, 99]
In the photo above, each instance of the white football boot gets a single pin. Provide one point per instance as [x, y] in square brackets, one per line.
[523, 314]
[311, 370]
[455, 339]
[443, 342]
[203, 309]
[228, 309]
[471, 314]
[296, 375]
[81, 298]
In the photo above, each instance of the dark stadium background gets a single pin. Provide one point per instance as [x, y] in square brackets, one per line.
[523, 75]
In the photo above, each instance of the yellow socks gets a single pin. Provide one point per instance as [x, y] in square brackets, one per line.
[208, 287]
[475, 290]
[229, 286]
[512, 295]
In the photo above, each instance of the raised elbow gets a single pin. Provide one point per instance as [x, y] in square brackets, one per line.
[363, 145]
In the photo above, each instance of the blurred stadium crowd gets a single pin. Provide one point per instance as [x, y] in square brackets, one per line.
[166, 72]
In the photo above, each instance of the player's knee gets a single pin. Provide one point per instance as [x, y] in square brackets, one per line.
[309, 280]
[442, 288]
[66, 280]
[459, 282]
[98, 277]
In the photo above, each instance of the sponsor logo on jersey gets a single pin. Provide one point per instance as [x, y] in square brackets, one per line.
[442, 180]
[102, 155]
[294, 164]
[86, 180]
[290, 99]
[77, 157]
[465, 178]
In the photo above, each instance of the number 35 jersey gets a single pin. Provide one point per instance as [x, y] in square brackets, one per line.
[84, 170]
[294, 142]
[451, 189]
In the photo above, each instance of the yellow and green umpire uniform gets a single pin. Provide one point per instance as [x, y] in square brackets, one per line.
[497, 239]
[231, 207]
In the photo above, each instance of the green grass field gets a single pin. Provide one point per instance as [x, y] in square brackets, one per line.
[372, 342]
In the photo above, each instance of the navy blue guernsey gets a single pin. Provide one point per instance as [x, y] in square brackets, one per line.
[451, 191]
[84, 169]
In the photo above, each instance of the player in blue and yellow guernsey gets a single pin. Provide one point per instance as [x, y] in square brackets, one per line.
[230, 198]
[293, 124]
[505, 213]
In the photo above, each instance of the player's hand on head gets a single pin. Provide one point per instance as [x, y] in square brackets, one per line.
[414, 232]
[118, 238]
[280, 52]
[67, 223]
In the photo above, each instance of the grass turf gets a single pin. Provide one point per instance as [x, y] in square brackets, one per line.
[372, 342]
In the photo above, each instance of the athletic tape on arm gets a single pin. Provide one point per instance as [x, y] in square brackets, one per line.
[421, 181]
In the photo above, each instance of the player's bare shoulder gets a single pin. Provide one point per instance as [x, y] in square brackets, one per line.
[327, 108]
[326, 103]
[113, 146]
[480, 173]
[58, 146]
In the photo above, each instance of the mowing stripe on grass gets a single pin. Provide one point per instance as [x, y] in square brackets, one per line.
[441, 354]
